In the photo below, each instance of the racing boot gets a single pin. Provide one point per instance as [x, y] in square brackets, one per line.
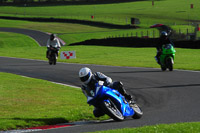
[119, 86]
[128, 97]
[130, 100]
[157, 60]
[47, 54]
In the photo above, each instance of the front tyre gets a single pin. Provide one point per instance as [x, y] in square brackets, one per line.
[170, 64]
[50, 61]
[138, 111]
[111, 110]
[54, 59]
[163, 68]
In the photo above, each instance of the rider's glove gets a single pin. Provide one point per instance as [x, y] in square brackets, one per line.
[105, 83]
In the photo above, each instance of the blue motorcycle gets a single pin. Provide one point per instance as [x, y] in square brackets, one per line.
[112, 103]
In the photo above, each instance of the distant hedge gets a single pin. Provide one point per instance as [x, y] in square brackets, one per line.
[136, 42]
[47, 2]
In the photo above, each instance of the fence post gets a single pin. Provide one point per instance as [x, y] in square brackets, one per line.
[191, 6]
[153, 34]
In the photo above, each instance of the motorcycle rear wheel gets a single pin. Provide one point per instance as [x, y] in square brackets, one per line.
[111, 110]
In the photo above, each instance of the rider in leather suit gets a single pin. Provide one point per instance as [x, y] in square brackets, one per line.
[89, 79]
[163, 40]
[53, 42]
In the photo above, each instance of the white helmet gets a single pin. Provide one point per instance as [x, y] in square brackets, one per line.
[85, 75]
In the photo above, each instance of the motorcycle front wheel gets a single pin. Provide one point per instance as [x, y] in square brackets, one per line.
[50, 61]
[170, 64]
[138, 111]
[163, 68]
[54, 59]
[111, 110]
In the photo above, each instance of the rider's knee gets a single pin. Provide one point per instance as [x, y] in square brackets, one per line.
[98, 112]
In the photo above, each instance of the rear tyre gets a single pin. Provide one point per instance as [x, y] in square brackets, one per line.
[111, 110]
[138, 111]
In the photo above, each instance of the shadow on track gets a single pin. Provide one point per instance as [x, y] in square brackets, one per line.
[169, 86]
[173, 86]
[137, 71]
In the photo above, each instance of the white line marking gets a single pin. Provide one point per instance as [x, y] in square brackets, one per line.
[54, 82]
[66, 85]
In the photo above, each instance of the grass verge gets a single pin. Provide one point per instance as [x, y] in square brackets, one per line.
[193, 127]
[29, 102]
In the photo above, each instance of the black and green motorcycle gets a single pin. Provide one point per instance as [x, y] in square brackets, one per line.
[167, 57]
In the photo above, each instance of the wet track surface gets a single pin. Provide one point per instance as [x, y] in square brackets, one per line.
[165, 97]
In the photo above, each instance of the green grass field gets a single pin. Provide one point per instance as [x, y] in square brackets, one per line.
[116, 56]
[162, 128]
[73, 33]
[166, 11]
[31, 102]
[28, 102]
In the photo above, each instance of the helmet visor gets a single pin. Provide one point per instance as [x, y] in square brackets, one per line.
[85, 78]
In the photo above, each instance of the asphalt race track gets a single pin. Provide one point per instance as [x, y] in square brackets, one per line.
[40, 37]
[165, 97]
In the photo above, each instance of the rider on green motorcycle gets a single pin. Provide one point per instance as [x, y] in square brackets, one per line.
[164, 39]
